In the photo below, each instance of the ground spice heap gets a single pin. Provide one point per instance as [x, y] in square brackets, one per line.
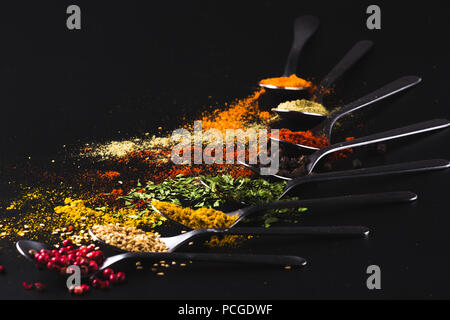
[149, 158]
[118, 149]
[81, 218]
[241, 114]
[196, 219]
[307, 138]
[290, 82]
[38, 212]
[303, 105]
[303, 137]
[129, 238]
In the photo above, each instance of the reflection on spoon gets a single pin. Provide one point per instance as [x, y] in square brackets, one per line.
[24, 247]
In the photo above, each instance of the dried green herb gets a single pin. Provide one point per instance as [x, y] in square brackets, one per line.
[214, 192]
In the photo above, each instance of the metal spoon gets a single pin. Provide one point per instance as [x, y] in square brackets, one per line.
[24, 247]
[353, 56]
[349, 200]
[349, 60]
[325, 128]
[311, 160]
[386, 170]
[422, 127]
[173, 243]
[304, 28]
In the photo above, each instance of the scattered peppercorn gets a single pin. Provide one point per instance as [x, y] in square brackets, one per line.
[39, 286]
[356, 163]
[27, 286]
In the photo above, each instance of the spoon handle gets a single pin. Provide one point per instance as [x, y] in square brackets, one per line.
[349, 200]
[304, 28]
[382, 93]
[417, 128]
[319, 231]
[391, 169]
[353, 56]
[273, 260]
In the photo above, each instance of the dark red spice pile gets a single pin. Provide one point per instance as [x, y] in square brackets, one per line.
[304, 138]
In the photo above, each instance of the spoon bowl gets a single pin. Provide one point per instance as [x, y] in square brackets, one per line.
[299, 116]
[304, 29]
[332, 202]
[324, 128]
[24, 246]
[350, 59]
[270, 86]
[175, 242]
[309, 162]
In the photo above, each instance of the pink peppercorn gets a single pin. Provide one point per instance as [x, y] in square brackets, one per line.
[108, 272]
[39, 286]
[78, 290]
[121, 277]
[27, 286]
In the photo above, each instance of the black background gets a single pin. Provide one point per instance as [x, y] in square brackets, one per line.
[135, 66]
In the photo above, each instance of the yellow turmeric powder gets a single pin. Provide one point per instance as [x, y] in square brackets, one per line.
[38, 213]
[195, 219]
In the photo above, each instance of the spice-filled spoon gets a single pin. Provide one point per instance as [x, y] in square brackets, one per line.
[304, 28]
[353, 56]
[173, 243]
[311, 161]
[376, 171]
[344, 201]
[25, 246]
[307, 163]
[324, 129]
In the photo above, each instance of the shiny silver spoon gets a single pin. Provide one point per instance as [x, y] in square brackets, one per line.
[353, 56]
[377, 171]
[310, 161]
[24, 247]
[413, 129]
[325, 128]
[173, 243]
[349, 200]
[304, 28]
[386, 170]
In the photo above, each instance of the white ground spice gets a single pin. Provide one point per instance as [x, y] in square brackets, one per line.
[303, 105]
[129, 238]
[117, 149]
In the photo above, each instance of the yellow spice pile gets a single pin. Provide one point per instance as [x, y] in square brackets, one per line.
[195, 219]
[39, 212]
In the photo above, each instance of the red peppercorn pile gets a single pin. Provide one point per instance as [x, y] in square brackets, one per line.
[86, 258]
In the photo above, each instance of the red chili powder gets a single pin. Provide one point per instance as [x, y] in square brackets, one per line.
[308, 139]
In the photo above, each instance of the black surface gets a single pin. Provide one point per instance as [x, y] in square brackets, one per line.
[135, 66]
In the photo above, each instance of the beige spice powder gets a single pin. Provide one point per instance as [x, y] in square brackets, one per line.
[129, 238]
